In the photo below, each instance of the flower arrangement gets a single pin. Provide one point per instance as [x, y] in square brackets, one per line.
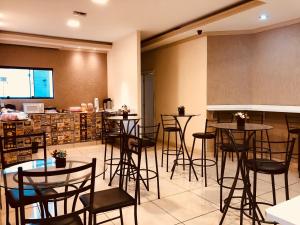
[125, 109]
[62, 154]
[60, 158]
[241, 115]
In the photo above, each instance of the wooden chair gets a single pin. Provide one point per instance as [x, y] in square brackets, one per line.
[119, 197]
[69, 216]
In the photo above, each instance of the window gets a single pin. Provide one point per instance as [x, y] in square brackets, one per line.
[26, 82]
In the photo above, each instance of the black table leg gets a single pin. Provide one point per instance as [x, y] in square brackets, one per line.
[183, 147]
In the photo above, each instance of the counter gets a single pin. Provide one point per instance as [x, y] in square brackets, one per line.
[60, 128]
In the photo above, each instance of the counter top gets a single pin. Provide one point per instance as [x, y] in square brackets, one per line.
[285, 213]
[261, 108]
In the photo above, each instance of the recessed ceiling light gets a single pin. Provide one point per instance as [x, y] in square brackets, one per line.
[102, 2]
[73, 23]
[263, 17]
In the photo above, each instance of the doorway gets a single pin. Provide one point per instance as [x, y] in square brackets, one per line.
[148, 110]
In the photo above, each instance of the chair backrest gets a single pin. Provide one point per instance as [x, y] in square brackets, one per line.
[280, 151]
[255, 117]
[208, 126]
[292, 121]
[111, 126]
[149, 133]
[130, 164]
[168, 121]
[224, 116]
[69, 192]
[18, 148]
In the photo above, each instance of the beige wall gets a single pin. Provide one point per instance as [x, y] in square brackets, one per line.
[124, 73]
[180, 79]
[260, 68]
[78, 76]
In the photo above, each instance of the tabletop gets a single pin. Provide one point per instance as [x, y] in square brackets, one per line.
[247, 127]
[122, 118]
[185, 115]
[285, 213]
[9, 176]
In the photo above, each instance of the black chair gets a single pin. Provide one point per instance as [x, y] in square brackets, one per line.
[208, 134]
[65, 191]
[149, 135]
[111, 135]
[275, 163]
[229, 147]
[119, 197]
[262, 141]
[169, 126]
[15, 150]
[293, 127]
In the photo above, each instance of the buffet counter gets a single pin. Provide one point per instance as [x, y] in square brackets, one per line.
[60, 128]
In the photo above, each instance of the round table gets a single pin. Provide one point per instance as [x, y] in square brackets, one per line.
[182, 141]
[249, 127]
[9, 176]
[126, 128]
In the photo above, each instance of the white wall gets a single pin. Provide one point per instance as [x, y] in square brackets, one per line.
[124, 73]
[180, 79]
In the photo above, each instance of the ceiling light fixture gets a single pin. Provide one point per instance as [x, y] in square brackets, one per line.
[102, 2]
[73, 23]
[263, 17]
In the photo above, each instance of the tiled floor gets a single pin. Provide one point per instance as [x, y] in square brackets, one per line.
[182, 202]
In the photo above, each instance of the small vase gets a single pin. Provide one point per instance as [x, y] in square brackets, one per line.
[240, 123]
[125, 115]
[60, 162]
[181, 111]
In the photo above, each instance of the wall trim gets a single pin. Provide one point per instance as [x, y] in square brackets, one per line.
[16, 38]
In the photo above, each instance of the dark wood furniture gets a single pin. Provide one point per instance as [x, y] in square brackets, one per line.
[66, 191]
[208, 134]
[293, 127]
[13, 151]
[120, 197]
[149, 135]
[276, 161]
[170, 126]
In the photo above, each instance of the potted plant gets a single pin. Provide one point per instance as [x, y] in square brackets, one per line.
[60, 158]
[241, 118]
[125, 110]
[181, 110]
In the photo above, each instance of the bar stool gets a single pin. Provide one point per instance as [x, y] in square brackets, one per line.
[170, 126]
[149, 135]
[208, 134]
[293, 127]
[228, 147]
[270, 165]
[111, 134]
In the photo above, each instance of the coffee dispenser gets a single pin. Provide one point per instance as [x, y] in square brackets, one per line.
[107, 104]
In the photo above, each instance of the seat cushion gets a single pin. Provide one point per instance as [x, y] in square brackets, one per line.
[171, 129]
[294, 130]
[30, 196]
[204, 135]
[230, 147]
[266, 166]
[107, 200]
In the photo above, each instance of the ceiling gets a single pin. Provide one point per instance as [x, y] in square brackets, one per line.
[277, 10]
[116, 19]
[106, 23]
